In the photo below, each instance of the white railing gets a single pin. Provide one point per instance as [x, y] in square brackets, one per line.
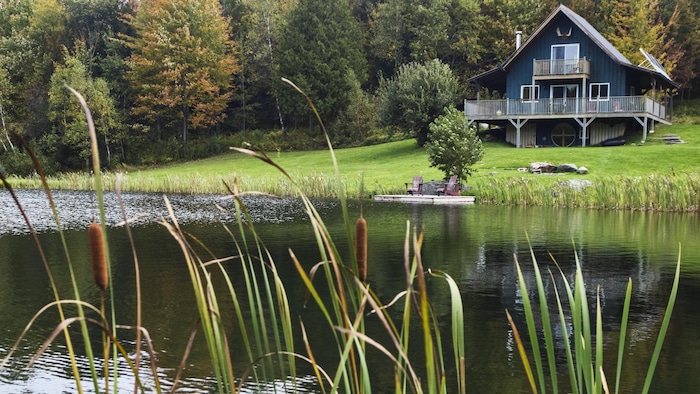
[554, 67]
[625, 105]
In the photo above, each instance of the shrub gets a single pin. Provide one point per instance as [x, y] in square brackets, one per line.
[453, 147]
[416, 95]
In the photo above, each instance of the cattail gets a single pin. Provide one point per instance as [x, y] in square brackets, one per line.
[361, 247]
[97, 255]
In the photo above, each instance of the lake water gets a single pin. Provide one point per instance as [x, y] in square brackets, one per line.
[476, 245]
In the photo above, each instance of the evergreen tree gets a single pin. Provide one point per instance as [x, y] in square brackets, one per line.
[320, 52]
[181, 64]
[683, 30]
[506, 17]
[257, 26]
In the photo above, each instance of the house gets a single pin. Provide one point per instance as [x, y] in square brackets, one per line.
[566, 85]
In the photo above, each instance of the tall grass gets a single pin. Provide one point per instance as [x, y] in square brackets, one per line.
[262, 321]
[666, 193]
[583, 345]
[315, 185]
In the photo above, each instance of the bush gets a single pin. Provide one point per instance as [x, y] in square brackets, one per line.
[416, 95]
[20, 164]
[453, 147]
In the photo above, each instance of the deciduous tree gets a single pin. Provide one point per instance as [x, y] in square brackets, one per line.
[181, 64]
[68, 142]
[416, 95]
[453, 146]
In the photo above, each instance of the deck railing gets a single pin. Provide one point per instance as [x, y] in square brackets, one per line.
[554, 67]
[624, 106]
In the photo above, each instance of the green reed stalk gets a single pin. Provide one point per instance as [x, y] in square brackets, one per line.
[585, 362]
[664, 325]
[623, 334]
[97, 170]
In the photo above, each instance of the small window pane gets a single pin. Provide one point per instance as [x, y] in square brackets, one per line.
[600, 91]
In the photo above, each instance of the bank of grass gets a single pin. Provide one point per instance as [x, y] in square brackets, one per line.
[650, 175]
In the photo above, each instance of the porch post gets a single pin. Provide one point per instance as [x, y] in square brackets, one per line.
[584, 122]
[643, 122]
[517, 123]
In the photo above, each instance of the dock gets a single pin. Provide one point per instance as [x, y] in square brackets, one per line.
[426, 199]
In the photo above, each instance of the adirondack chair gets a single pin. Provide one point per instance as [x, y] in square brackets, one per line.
[450, 188]
[416, 187]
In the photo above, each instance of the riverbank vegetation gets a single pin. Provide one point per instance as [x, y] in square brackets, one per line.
[649, 176]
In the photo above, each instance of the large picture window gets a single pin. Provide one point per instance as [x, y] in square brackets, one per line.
[600, 92]
[530, 92]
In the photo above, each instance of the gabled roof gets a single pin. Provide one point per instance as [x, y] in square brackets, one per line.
[497, 75]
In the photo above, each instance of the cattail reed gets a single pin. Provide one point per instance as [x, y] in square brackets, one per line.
[361, 247]
[97, 255]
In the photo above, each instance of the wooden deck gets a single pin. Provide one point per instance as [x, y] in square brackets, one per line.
[426, 199]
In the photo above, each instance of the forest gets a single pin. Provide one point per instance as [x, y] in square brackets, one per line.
[179, 79]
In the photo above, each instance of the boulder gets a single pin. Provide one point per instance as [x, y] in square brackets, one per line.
[542, 167]
[576, 184]
[582, 170]
[567, 168]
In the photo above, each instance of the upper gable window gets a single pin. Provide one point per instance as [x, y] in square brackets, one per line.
[600, 92]
[565, 51]
[530, 92]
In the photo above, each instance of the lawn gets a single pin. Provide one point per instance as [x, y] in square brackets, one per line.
[384, 168]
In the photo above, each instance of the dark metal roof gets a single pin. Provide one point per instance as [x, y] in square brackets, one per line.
[495, 78]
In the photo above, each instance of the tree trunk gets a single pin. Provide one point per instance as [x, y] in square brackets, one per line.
[272, 62]
[185, 116]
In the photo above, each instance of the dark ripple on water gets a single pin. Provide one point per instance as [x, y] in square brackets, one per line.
[76, 209]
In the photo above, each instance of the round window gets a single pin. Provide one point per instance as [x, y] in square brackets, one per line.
[563, 134]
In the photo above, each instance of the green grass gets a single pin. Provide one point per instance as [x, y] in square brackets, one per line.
[386, 167]
[383, 169]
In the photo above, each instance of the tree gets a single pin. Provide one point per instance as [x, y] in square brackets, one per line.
[32, 36]
[683, 29]
[68, 143]
[320, 52]
[637, 25]
[421, 30]
[181, 64]
[453, 146]
[506, 17]
[258, 27]
[416, 95]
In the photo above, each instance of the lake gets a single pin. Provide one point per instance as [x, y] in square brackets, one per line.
[475, 244]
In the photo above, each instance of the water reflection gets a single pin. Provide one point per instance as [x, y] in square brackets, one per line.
[476, 245]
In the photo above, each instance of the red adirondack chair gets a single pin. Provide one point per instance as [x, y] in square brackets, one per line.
[450, 188]
[416, 187]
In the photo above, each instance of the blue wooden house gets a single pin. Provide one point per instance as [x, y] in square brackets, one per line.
[566, 85]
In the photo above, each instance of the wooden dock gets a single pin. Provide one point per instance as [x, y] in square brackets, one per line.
[426, 199]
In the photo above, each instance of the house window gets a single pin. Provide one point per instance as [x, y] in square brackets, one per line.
[600, 92]
[565, 59]
[527, 94]
[563, 134]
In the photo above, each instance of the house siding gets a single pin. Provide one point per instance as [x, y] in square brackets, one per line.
[603, 68]
[528, 134]
[627, 99]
